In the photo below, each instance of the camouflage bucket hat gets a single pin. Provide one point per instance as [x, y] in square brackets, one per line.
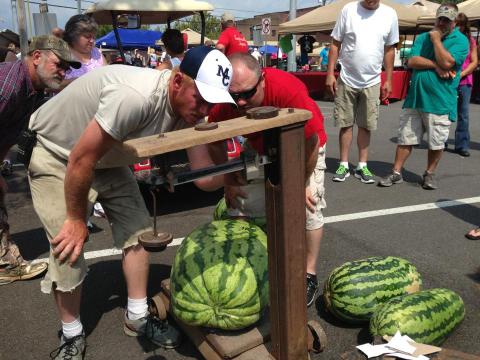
[57, 46]
[447, 12]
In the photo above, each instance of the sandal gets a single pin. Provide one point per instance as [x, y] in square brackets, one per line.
[473, 234]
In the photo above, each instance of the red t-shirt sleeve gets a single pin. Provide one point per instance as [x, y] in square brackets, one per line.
[224, 38]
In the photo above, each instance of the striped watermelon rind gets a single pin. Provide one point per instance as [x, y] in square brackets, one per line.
[220, 275]
[220, 213]
[428, 316]
[354, 290]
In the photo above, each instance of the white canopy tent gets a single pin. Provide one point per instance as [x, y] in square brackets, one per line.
[152, 11]
[471, 8]
[325, 17]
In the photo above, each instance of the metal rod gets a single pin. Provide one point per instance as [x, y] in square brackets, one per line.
[79, 6]
[154, 211]
[117, 36]
[203, 29]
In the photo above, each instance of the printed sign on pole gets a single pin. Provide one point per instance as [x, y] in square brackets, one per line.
[266, 26]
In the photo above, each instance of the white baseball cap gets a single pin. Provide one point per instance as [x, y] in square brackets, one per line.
[211, 71]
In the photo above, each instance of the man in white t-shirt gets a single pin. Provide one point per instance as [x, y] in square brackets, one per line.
[257, 55]
[364, 36]
[78, 157]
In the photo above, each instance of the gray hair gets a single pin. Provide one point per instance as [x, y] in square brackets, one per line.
[248, 61]
[78, 25]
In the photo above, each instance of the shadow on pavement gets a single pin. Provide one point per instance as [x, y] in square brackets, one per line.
[104, 289]
[466, 212]
[329, 318]
[475, 276]
[32, 243]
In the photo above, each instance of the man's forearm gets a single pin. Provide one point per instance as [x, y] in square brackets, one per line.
[333, 56]
[442, 57]
[421, 63]
[311, 154]
[78, 181]
[218, 152]
[388, 60]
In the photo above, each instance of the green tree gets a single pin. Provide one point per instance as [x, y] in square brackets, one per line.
[212, 25]
[103, 30]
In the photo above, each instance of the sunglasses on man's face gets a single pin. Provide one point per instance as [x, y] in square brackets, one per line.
[59, 63]
[247, 94]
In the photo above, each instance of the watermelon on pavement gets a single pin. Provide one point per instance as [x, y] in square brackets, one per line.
[428, 316]
[354, 290]
[220, 275]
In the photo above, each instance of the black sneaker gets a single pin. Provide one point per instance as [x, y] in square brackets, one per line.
[70, 349]
[312, 288]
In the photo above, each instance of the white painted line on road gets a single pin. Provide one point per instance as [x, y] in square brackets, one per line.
[401, 210]
[328, 220]
[109, 252]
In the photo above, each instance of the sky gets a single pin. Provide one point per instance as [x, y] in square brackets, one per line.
[243, 9]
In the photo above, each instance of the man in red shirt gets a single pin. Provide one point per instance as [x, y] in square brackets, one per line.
[252, 87]
[231, 40]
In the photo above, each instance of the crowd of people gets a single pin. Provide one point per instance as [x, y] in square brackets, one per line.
[71, 144]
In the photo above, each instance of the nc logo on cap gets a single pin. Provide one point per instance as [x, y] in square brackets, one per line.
[211, 71]
[224, 74]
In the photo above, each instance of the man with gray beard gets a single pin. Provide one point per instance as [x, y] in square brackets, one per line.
[22, 83]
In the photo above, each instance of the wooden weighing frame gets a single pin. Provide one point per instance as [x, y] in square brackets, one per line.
[285, 205]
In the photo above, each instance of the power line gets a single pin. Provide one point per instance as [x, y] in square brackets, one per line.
[53, 5]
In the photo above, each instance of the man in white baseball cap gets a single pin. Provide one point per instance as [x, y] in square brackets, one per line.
[78, 158]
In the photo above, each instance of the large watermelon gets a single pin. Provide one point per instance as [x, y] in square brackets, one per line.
[220, 275]
[220, 213]
[354, 290]
[428, 316]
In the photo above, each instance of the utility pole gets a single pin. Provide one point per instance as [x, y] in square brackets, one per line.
[79, 6]
[14, 15]
[292, 55]
[22, 27]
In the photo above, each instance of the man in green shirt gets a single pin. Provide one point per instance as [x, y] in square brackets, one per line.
[431, 104]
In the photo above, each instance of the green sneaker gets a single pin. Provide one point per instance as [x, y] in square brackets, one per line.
[154, 329]
[70, 349]
[341, 174]
[364, 175]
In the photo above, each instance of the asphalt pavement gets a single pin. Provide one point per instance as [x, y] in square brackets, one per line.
[425, 227]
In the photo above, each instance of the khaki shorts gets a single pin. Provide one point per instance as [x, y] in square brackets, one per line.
[356, 106]
[254, 205]
[118, 193]
[414, 123]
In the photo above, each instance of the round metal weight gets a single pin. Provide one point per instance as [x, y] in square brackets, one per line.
[204, 126]
[317, 339]
[157, 307]
[262, 112]
[155, 242]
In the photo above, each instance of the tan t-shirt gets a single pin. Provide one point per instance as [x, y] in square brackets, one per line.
[127, 102]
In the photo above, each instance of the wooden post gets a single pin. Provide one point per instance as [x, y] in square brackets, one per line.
[285, 204]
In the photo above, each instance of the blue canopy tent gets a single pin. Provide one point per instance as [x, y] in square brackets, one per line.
[131, 39]
[269, 49]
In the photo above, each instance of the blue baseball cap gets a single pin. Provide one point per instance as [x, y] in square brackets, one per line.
[211, 71]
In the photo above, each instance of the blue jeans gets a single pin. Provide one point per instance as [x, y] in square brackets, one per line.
[462, 135]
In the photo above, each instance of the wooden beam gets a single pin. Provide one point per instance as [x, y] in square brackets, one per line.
[186, 138]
